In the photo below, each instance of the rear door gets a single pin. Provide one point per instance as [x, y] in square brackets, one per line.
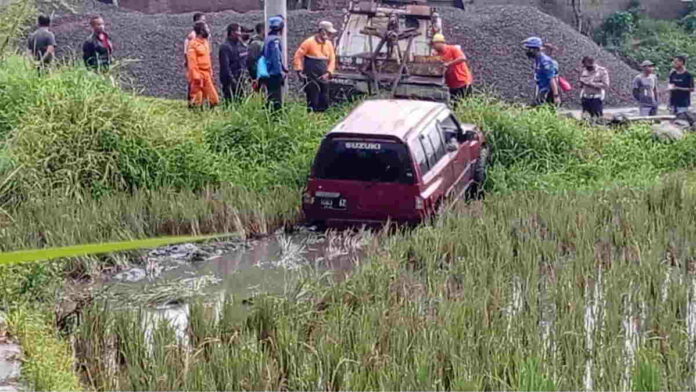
[371, 178]
[436, 171]
[464, 158]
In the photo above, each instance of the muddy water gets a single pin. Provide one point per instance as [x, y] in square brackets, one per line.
[165, 281]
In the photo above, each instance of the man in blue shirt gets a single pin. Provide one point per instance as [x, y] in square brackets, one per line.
[273, 53]
[545, 70]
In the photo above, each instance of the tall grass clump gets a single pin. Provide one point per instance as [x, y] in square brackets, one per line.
[73, 130]
[528, 291]
[48, 362]
[15, 19]
[535, 149]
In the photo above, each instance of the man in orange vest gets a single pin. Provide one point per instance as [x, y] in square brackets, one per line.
[458, 76]
[315, 61]
[200, 68]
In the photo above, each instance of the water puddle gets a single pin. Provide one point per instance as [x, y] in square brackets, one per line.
[165, 281]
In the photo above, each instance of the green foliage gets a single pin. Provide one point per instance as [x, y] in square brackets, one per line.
[459, 304]
[15, 17]
[535, 149]
[647, 376]
[73, 131]
[688, 22]
[48, 361]
[616, 28]
[640, 39]
[531, 378]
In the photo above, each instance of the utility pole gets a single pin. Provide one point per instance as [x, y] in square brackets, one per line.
[274, 8]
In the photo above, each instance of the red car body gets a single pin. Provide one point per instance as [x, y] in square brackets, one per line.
[392, 160]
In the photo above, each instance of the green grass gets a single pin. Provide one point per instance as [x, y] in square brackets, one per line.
[456, 305]
[48, 362]
[655, 40]
[534, 149]
[82, 161]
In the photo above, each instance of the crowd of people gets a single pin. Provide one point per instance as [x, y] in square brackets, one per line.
[251, 60]
[594, 83]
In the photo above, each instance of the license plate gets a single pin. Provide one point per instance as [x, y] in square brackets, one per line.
[334, 203]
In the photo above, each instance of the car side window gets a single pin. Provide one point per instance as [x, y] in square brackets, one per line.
[433, 144]
[419, 155]
[450, 127]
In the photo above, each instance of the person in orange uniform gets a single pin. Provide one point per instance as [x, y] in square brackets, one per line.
[200, 68]
[458, 76]
[315, 61]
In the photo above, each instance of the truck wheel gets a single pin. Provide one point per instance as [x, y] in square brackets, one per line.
[475, 190]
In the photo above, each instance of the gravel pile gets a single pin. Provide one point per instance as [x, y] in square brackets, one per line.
[154, 44]
[489, 35]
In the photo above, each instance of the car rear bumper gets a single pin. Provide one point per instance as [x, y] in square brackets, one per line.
[337, 218]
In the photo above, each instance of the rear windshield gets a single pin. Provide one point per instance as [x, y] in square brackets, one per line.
[364, 160]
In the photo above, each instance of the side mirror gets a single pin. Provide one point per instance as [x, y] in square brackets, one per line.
[470, 136]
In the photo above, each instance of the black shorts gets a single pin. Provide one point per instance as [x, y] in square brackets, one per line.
[593, 106]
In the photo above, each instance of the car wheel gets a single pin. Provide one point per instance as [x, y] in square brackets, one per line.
[475, 190]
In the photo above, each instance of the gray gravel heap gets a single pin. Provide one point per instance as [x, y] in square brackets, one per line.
[490, 36]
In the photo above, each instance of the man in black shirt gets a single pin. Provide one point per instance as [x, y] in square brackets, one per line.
[233, 63]
[681, 85]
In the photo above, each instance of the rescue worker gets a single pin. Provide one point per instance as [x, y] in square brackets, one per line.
[255, 52]
[645, 90]
[545, 73]
[457, 73]
[315, 61]
[594, 82]
[200, 68]
[233, 64]
[273, 55]
[197, 17]
[42, 42]
[97, 51]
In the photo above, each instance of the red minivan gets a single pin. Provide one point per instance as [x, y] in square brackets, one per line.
[398, 160]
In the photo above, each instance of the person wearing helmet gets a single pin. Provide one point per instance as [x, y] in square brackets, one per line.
[315, 61]
[273, 54]
[458, 76]
[547, 89]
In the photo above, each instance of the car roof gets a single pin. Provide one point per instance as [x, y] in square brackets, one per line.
[390, 118]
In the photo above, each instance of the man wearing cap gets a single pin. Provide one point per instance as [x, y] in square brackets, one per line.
[645, 89]
[457, 73]
[315, 61]
[547, 89]
[273, 56]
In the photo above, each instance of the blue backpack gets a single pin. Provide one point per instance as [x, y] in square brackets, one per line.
[262, 68]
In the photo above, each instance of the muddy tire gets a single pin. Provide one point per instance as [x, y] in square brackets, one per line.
[476, 189]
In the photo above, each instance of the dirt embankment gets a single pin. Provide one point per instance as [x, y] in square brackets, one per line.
[490, 36]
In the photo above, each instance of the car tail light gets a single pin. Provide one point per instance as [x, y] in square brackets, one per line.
[420, 204]
[307, 198]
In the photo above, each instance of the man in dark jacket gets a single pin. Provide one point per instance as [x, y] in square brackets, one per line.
[233, 64]
[255, 52]
[97, 50]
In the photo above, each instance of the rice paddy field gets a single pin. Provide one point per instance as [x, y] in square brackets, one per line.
[531, 291]
[576, 272]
